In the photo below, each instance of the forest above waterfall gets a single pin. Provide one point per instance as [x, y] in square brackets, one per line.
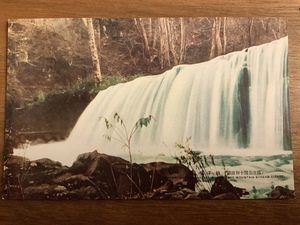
[52, 68]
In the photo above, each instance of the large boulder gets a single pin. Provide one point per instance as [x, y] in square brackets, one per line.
[42, 171]
[116, 177]
[281, 193]
[223, 187]
[178, 175]
[123, 178]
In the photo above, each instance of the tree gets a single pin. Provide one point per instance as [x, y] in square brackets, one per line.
[182, 41]
[224, 35]
[216, 44]
[164, 56]
[94, 52]
[139, 22]
[249, 25]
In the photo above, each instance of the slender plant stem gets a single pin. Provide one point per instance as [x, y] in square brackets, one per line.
[132, 181]
[114, 178]
[21, 188]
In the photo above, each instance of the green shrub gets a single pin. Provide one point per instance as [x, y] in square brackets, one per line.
[124, 135]
[82, 90]
[203, 167]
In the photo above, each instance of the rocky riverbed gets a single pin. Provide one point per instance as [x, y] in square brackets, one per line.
[99, 176]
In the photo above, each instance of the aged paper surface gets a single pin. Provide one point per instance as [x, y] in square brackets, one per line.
[148, 108]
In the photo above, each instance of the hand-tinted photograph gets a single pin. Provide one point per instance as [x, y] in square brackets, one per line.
[148, 108]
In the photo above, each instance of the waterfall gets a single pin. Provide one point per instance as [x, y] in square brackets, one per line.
[238, 102]
[235, 101]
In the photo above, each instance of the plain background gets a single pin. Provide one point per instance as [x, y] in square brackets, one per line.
[157, 212]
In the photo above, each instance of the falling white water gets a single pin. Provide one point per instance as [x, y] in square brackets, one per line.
[233, 103]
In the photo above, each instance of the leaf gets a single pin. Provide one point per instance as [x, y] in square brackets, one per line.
[118, 118]
[107, 137]
[223, 163]
[202, 174]
[212, 159]
[144, 121]
[107, 123]
[179, 146]
[206, 161]
[177, 159]
[187, 142]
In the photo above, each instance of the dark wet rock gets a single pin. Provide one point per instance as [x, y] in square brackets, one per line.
[178, 174]
[14, 169]
[99, 176]
[42, 171]
[176, 195]
[83, 185]
[241, 191]
[17, 163]
[114, 176]
[189, 191]
[169, 195]
[44, 164]
[204, 194]
[192, 197]
[168, 185]
[191, 194]
[73, 181]
[87, 193]
[223, 186]
[88, 163]
[47, 191]
[281, 193]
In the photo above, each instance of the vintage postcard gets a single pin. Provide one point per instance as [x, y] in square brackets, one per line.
[148, 108]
